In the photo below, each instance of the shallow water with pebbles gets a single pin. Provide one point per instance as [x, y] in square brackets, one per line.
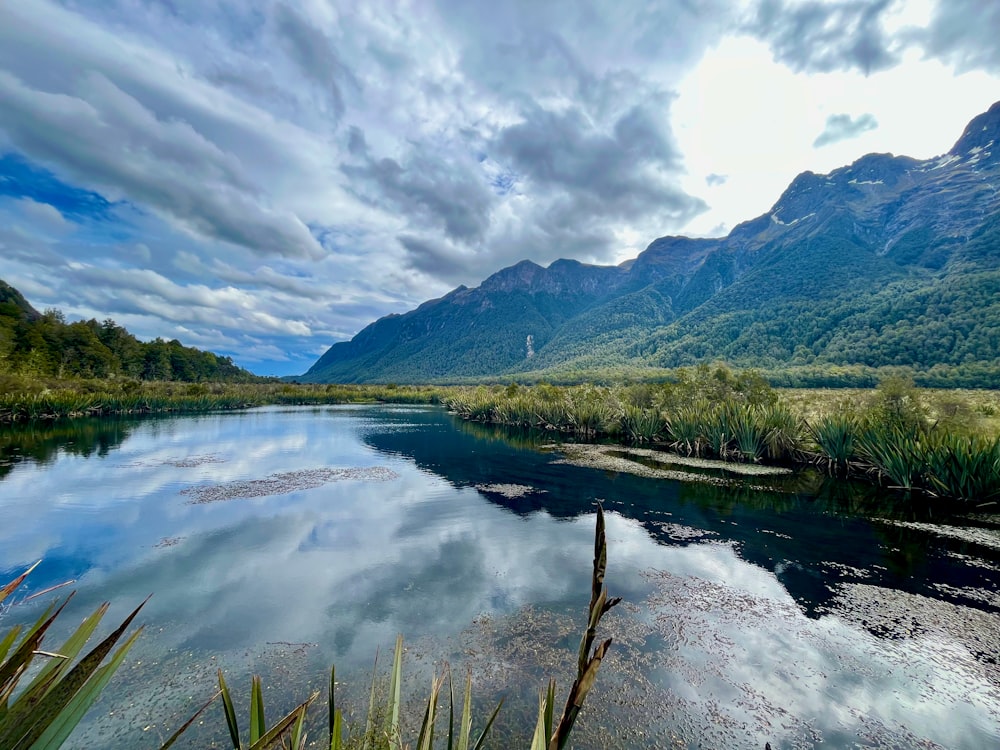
[758, 606]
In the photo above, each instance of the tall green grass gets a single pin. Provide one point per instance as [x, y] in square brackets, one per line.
[834, 438]
[738, 418]
[964, 467]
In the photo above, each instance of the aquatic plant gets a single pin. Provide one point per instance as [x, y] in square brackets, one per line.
[785, 432]
[834, 437]
[738, 417]
[642, 424]
[260, 736]
[41, 715]
[895, 454]
[593, 410]
[686, 428]
[963, 467]
[749, 431]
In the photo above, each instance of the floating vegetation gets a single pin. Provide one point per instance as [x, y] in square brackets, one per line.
[682, 533]
[510, 491]
[286, 482]
[664, 457]
[188, 462]
[615, 458]
[969, 593]
[194, 461]
[984, 537]
[168, 541]
[975, 562]
[602, 457]
[894, 614]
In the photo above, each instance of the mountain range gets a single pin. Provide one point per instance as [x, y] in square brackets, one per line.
[890, 261]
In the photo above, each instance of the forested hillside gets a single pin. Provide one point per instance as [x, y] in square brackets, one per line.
[45, 345]
[888, 262]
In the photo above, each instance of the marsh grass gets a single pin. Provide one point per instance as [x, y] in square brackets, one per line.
[937, 444]
[24, 400]
[833, 437]
[965, 467]
[895, 455]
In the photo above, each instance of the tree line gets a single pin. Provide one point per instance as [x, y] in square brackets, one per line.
[46, 345]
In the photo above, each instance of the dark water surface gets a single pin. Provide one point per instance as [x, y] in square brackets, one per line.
[784, 609]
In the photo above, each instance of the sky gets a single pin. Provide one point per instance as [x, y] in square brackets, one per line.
[263, 179]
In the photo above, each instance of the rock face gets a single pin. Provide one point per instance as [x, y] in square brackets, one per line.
[842, 266]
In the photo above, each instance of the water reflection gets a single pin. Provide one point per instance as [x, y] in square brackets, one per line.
[750, 611]
[811, 530]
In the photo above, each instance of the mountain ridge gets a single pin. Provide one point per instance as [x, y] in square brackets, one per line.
[789, 287]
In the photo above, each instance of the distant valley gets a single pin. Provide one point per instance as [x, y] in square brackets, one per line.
[888, 262]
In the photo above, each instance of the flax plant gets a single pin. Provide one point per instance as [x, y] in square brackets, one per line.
[834, 437]
[895, 454]
[42, 714]
[964, 467]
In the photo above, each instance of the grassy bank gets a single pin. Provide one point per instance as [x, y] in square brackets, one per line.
[943, 444]
[24, 399]
[939, 443]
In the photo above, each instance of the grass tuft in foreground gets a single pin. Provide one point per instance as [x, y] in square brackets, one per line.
[42, 714]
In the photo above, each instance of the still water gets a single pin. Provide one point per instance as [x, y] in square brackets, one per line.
[278, 541]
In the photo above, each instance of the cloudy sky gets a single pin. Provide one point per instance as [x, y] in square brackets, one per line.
[263, 179]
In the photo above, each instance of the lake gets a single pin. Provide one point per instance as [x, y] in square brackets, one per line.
[788, 609]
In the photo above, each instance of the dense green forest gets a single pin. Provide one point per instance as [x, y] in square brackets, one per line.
[46, 345]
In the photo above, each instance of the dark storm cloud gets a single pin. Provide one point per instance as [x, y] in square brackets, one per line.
[843, 127]
[964, 33]
[625, 171]
[436, 258]
[432, 189]
[313, 52]
[826, 36]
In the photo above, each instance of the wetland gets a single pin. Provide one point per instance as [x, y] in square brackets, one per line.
[759, 606]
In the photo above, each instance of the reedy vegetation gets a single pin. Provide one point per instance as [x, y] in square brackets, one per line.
[713, 412]
[25, 399]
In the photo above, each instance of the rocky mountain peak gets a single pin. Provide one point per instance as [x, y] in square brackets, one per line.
[519, 276]
[981, 137]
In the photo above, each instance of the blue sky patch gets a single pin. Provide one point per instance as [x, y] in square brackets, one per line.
[20, 178]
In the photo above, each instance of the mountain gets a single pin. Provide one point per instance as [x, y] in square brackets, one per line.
[45, 345]
[13, 303]
[890, 261]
